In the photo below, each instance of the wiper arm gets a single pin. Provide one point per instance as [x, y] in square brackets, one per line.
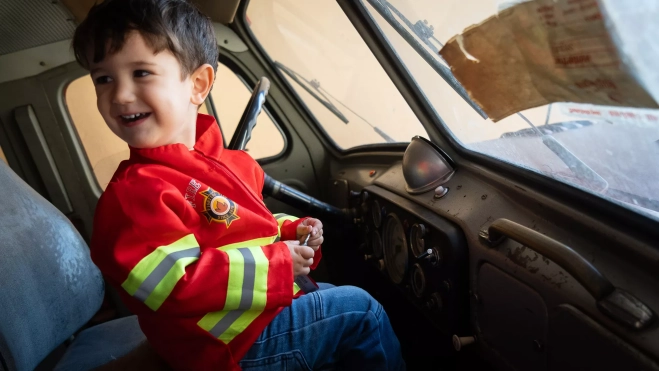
[424, 33]
[316, 93]
[582, 171]
[320, 95]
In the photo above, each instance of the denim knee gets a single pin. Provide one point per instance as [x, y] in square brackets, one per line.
[354, 299]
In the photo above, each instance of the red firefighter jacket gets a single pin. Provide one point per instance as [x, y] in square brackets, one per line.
[186, 238]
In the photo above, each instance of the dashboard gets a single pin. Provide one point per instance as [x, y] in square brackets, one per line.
[420, 253]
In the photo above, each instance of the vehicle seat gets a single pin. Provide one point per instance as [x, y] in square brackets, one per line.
[49, 287]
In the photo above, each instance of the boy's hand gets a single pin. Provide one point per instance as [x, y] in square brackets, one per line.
[315, 228]
[302, 257]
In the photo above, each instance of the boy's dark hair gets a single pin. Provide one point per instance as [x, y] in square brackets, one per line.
[175, 25]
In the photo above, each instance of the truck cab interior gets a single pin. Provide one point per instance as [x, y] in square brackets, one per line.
[529, 243]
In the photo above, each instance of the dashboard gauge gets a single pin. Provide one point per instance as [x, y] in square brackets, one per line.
[376, 214]
[418, 281]
[417, 234]
[395, 249]
[376, 244]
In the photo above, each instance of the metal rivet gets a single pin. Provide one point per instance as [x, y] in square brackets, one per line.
[483, 197]
[440, 192]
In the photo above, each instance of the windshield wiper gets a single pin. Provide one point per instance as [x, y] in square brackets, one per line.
[316, 93]
[425, 33]
[582, 171]
[320, 94]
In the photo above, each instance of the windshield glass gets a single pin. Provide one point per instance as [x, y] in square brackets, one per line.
[610, 151]
[333, 71]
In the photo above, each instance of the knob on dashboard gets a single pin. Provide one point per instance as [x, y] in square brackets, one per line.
[436, 303]
[459, 342]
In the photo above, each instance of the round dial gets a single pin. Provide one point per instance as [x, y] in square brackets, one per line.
[418, 281]
[376, 214]
[395, 249]
[417, 233]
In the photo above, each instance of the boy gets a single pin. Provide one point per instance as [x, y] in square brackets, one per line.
[182, 229]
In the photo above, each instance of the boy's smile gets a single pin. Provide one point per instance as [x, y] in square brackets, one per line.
[143, 97]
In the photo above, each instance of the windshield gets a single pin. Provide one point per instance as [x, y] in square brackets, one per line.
[333, 71]
[610, 151]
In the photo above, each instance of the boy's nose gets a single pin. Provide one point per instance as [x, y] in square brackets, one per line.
[123, 93]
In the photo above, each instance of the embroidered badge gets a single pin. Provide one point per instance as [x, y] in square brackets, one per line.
[219, 208]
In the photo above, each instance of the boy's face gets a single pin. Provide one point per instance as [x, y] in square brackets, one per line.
[142, 97]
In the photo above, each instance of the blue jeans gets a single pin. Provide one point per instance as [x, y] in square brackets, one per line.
[333, 328]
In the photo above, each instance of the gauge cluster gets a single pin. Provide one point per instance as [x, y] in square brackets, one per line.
[419, 253]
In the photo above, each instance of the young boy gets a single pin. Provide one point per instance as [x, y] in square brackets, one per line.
[182, 230]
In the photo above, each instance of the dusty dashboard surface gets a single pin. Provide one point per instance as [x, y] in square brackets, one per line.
[517, 302]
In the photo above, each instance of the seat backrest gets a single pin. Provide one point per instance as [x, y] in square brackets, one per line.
[49, 287]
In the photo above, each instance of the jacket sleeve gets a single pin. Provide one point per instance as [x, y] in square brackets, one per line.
[142, 243]
[288, 231]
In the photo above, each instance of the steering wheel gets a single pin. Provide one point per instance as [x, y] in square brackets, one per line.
[247, 122]
[272, 187]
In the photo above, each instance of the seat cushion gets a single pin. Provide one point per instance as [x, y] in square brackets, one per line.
[101, 344]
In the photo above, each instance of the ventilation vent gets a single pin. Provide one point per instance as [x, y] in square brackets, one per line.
[25, 24]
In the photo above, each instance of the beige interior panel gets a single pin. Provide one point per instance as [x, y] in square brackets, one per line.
[222, 11]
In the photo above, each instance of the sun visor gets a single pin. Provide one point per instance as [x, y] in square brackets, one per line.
[537, 52]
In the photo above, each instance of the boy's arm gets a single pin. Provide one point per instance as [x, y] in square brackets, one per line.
[288, 231]
[142, 243]
[287, 223]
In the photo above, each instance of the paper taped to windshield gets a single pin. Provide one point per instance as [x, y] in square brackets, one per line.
[545, 51]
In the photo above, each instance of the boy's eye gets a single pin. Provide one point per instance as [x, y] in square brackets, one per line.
[102, 80]
[141, 73]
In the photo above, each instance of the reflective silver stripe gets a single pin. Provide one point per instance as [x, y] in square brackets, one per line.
[248, 279]
[245, 299]
[226, 322]
[279, 216]
[154, 278]
[276, 240]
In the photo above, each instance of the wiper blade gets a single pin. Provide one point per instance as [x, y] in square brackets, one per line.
[582, 171]
[319, 94]
[316, 93]
[424, 33]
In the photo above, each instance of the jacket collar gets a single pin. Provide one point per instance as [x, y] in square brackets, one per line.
[208, 141]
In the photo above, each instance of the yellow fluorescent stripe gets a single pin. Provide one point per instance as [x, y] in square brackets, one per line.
[166, 286]
[261, 278]
[282, 219]
[211, 319]
[236, 276]
[142, 270]
[239, 325]
[256, 242]
[296, 288]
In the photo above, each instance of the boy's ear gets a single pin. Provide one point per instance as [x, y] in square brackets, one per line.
[202, 82]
